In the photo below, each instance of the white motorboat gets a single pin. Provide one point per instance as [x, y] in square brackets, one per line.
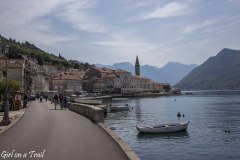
[119, 108]
[89, 101]
[163, 128]
[118, 105]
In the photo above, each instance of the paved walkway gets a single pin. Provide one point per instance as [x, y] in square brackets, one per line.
[61, 133]
[13, 115]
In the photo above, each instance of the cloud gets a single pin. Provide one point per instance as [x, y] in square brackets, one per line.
[126, 42]
[135, 6]
[93, 29]
[125, 46]
[77, 14]
[234, 1]
[23, 12]
[34, 21]
[191, 28]
[26, 20]
[172, 9]
[212, 25]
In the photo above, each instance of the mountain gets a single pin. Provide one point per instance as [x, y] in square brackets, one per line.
[26, 49]
[219, 72]
[171, 73]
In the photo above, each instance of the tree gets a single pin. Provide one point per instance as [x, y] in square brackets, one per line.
[13, 86]
[40, 60]
[60, 57]
[76, 65]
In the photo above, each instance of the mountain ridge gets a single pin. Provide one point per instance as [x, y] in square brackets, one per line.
[217, 72]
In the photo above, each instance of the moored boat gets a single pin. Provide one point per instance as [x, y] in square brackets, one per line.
[89, 101]
[119, 108]
[119, 104]
[163, 128]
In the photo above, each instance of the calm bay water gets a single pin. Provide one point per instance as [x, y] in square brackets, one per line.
[209, 113]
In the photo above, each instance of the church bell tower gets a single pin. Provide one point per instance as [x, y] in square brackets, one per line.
[137, 67]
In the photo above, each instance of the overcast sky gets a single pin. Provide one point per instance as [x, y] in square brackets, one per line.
[111, 31]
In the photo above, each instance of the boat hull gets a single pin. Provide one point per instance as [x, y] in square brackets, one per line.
[163, 128]
[89, 101]
[118, 109]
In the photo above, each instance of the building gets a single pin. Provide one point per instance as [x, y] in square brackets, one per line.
[138, 85]
[16, 70]
[79, 73]
[94, 72]
[40, 83]
[137, 67]
[154, 87]
[92, 76]
[66, 82]
[123, 82]
[51, 69]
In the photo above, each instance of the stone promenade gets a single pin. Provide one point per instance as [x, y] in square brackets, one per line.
[50, 134]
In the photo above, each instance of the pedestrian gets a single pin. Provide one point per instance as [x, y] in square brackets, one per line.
[25, 100]
[10, 103]
[61, 101]
[46, 97]
[55, 101]
[41, 97]
[179, 115]
[38, 96]
[52, 99]
[65, 101]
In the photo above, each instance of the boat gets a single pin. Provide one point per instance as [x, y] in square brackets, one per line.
[119, 108]
[89, 101]
[163, 128]
[119, 104]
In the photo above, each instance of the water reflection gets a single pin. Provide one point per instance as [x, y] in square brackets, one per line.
[137, 109]
[177, 135]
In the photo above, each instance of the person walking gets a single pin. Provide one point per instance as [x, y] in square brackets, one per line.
[55, 101]
[10, 103]
[61, 101]
[65, 101]
[25, 101]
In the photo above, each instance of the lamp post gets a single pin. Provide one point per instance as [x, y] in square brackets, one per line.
[6, 121]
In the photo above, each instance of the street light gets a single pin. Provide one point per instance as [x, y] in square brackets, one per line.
[6, 121]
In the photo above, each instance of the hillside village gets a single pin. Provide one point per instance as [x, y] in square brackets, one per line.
[35, 78]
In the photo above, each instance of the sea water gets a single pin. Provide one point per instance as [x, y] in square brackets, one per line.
[211, 114]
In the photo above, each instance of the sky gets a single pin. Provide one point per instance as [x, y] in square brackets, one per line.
[113, 31]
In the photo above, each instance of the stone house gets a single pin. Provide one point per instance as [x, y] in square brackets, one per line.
[77, 72]
[66, 82]
[16, 69]
[51, 69]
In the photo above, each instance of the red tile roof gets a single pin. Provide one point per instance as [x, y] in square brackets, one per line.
[105, 70]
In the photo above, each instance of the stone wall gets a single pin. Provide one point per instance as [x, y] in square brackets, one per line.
[92, 112]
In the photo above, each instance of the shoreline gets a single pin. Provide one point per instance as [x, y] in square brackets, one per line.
[129, 96]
